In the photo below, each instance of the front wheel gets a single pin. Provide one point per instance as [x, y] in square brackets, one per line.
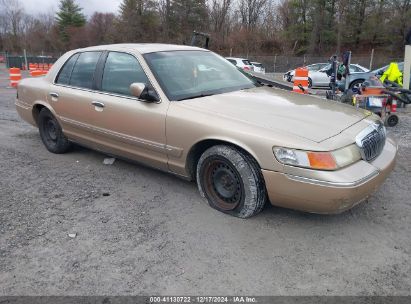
[392, 120]
[51, 133]
[231, 181]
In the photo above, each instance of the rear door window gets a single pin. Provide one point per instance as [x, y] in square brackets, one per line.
[65, 73]
[120, 71]
[354, 68]
[83, 71]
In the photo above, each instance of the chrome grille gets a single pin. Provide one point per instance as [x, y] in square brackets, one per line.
[371, 140]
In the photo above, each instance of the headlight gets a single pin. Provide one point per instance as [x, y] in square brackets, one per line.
[318, 160]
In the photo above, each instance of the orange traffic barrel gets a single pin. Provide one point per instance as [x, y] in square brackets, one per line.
[32, 66]
[15, 77]
[36, 73]
[301, 80]
[50, 65]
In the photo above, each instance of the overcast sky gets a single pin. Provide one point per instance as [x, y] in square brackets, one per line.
[89, 6]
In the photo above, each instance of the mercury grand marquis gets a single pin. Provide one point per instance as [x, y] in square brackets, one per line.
[190, 112]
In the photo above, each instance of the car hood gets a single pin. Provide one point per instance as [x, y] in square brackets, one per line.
[281, 111]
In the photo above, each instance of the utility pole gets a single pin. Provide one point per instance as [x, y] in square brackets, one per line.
[25, 59]
[371, 59]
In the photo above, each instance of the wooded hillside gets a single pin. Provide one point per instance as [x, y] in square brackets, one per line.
[259, 27]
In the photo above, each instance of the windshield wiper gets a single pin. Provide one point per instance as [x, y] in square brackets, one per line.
[196, 96]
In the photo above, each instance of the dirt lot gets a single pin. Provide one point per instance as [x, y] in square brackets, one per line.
[141, 231]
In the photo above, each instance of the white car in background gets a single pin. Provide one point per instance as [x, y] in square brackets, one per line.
[258, 67]
[320, 79]
[288, 76]
[242, 63]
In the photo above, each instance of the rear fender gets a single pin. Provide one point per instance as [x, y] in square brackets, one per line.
[40, 103]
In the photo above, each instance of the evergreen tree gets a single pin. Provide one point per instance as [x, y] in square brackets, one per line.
[187, 16]
[69, 15]
[138, 20]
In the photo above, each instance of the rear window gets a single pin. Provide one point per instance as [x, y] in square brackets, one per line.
[354, 68]
[246, 62]
[65, 72]
[258, 65]
[83, 71]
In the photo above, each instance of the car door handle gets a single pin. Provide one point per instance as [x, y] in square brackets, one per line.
[97, 104]
[54, 95]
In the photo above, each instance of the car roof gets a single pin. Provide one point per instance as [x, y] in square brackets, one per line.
[255, 62]
[143, 48]
[236, 58]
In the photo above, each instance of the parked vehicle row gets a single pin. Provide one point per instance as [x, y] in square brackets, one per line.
[188, 111]
[247, 65]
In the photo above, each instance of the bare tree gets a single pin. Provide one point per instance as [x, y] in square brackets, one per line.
[100, 28]
[13, 23]
[250, 11]
[219, 10]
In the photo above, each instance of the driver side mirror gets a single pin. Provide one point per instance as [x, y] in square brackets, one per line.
[143, 92]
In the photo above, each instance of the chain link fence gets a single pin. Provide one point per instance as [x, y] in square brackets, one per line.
[2, 57]
[282, 63]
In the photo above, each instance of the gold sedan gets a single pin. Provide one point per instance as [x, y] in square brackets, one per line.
[190, 112]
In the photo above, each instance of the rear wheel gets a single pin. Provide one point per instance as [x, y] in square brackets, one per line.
[51, 133]
[231, 181]
[356, 84]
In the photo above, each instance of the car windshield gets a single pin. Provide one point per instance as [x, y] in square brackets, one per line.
[190, 74]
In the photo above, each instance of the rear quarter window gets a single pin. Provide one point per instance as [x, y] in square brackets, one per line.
[65, 72]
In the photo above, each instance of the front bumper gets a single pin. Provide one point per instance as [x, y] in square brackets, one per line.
[335, 191]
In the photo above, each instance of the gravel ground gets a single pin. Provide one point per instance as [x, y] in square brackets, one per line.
[141, 231]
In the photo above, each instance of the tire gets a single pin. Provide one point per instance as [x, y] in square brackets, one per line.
[356, 83]
[51, 133]
[231, 181]
[392, 120]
